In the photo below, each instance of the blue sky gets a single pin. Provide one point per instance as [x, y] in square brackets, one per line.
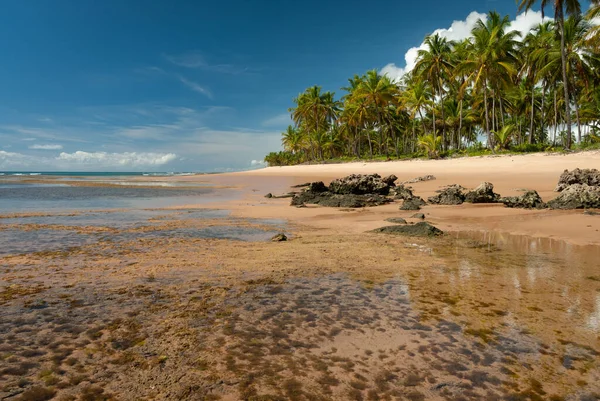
[188, 85]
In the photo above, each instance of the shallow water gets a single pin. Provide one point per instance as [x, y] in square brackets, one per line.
[23, 197]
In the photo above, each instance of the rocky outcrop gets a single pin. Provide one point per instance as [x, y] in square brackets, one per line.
[529, 200]
[396, 220]
[422, 229]
[328, 199]
[353, 191]
[591, 213]
[413, 203]
[359, 184]
[484, 193]
[577, 196]
[589, 177]
[451, 195]
[402, 193]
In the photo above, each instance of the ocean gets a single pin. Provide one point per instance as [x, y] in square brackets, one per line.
[29, 191]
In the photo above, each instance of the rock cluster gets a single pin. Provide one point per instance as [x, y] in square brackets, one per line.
[589, 177]
[484, 193]
[422, 229]
[577, 196]
[451, 195]
[353, 191]
[579, 189]
[529, 200]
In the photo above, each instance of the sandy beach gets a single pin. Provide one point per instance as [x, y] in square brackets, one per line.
[509, 174]
[506, 305]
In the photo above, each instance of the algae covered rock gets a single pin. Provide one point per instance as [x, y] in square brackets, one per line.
[403, 193]
[484, 193]
[529, 200]
[396, 220]
[589, 177]
[451, 195]
[360, 184]
[413, 203]
[421, 229]
[577, 196]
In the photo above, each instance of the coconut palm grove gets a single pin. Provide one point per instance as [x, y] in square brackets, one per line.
[496, 91]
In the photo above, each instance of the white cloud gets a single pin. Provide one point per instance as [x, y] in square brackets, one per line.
[460, 30]
[195, 59]
[11, 160]
[196, 87]
[104, 159]
[279, 121]
[191, 59]
[46, 147]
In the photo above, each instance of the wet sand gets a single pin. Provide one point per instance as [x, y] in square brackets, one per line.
[335, 313]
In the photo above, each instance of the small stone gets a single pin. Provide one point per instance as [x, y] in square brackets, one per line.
[396, 220]
[269, 195]
[418, 216]
[421, 229]
[279, 238]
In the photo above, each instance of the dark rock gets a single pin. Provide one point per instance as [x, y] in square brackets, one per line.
[589, 177]
[591, 213]
[421, 229]
[396, 220]
[403, 192]
[332, 200]
[359, 184]
[484, 193]
[577, 196]
[418, 216]
[269, 195]
[420, 179]
[279, 237]
[451, 195]
[413, 203]
[317, 186]
[529, 200]
[390, 180]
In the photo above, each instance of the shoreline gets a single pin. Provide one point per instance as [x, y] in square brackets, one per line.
[509, 174]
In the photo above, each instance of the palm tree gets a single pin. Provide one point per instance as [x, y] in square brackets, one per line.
[561, 7]
[293, 139]
[490, 62]
[378, 92]
[435, 65]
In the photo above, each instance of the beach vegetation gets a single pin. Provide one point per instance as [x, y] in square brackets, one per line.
[498, 91]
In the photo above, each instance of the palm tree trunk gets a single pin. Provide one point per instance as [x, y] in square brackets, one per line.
[555, 118]
[542, 117]
[460, 119]
[501, 110]
[532, 110]
[414, 138]
[494, 128]
[563, 55]
[443, 118]
[576, 103]
[487, 121]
